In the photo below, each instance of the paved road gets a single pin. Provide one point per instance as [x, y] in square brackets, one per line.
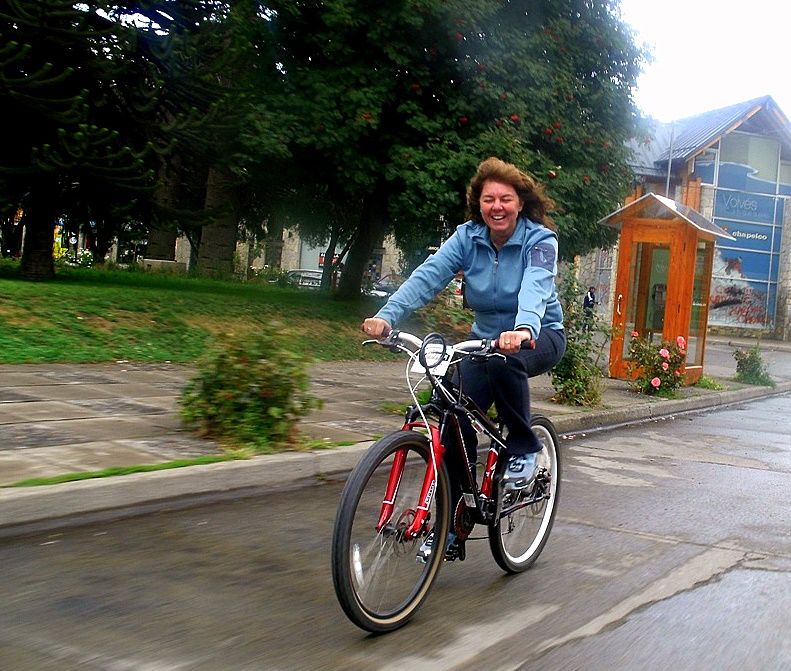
[672, 550]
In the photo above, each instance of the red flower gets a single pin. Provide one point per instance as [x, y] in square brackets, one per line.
[586, 179]
[556, 124]
[655, 382]
[515, 118]
[635, 334]
[548, 131]
[463, 120]
[552, 174]
[559, 140]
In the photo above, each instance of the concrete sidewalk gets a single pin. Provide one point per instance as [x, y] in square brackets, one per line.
[62, 418]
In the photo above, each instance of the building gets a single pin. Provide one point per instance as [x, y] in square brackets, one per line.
[733, 165]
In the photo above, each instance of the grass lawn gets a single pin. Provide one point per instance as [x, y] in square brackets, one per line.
[106, 315]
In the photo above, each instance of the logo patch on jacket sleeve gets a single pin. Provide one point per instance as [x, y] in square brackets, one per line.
[543, 256]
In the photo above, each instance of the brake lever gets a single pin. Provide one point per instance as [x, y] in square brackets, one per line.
[485, 355]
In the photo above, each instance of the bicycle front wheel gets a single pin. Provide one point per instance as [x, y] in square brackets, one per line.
[379, 579]
[518, 537]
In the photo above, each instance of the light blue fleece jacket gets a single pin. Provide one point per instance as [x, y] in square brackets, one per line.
[509, 289]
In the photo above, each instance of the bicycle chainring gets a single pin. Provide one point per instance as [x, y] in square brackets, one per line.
[463, 520]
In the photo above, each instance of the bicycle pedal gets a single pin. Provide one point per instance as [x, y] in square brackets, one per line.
[456, 550]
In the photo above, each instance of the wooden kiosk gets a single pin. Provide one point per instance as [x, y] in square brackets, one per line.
[663, 276]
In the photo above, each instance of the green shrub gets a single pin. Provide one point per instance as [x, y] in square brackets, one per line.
[577, 377]
[659, 367]
[249, 394]
[272, 275]
[706, 382]
[750, 367]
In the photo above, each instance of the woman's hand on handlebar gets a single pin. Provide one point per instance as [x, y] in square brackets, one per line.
[511, 342]
[377, 328]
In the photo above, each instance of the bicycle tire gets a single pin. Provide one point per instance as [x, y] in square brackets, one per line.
[378, 579]
[516, 540]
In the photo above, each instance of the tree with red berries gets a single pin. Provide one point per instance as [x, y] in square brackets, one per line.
[401, 101]
[546, 85]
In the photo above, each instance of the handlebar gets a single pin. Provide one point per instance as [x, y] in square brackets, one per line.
[398, 338]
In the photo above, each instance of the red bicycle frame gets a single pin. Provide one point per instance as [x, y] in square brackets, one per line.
[428, 488]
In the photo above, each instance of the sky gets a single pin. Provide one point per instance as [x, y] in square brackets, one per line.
[711, 53]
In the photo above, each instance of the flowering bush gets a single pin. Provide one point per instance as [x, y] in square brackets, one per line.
[659, 368]
[85, 258]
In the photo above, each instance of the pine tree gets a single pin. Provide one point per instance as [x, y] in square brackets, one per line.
[62, 133]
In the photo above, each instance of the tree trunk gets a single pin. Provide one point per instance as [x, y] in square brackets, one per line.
[102, 242]
[161, 237]
[40, 212]
[273, 253]
[373, 225]
[329, 267]
[218, 239]
[161, 244]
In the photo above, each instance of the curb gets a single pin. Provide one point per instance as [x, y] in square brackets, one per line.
[604, 420]
[35, 509]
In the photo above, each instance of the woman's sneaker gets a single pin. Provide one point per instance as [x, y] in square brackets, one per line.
[454, 548]
[520, 471]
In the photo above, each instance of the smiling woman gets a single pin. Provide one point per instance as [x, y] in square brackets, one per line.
[507, 253]
[500, 207]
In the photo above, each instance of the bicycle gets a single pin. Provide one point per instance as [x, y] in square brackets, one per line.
[398, 493]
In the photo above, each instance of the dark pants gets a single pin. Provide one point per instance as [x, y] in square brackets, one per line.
[505, 383]
[587, 319]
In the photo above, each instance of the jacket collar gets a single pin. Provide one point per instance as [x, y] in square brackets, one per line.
[480, 233]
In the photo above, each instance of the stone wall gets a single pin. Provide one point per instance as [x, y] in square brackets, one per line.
[597, 269]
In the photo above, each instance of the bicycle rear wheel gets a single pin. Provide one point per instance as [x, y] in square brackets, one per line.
[378, 579]
[517, 538]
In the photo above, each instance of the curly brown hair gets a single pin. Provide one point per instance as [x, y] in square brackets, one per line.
[536, 204]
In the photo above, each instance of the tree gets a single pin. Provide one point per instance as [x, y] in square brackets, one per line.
[403, 100]
[61, 128]
[546, 85]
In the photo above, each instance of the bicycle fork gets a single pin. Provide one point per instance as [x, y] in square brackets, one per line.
[427, 490]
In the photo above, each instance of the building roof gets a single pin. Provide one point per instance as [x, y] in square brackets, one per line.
[682, 139]
[653, 206]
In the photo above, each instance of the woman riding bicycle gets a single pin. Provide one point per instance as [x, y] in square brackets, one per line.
[508, 254]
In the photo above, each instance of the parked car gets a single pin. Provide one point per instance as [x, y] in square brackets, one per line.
[376, 293]
[387, 285]
[304, 277]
